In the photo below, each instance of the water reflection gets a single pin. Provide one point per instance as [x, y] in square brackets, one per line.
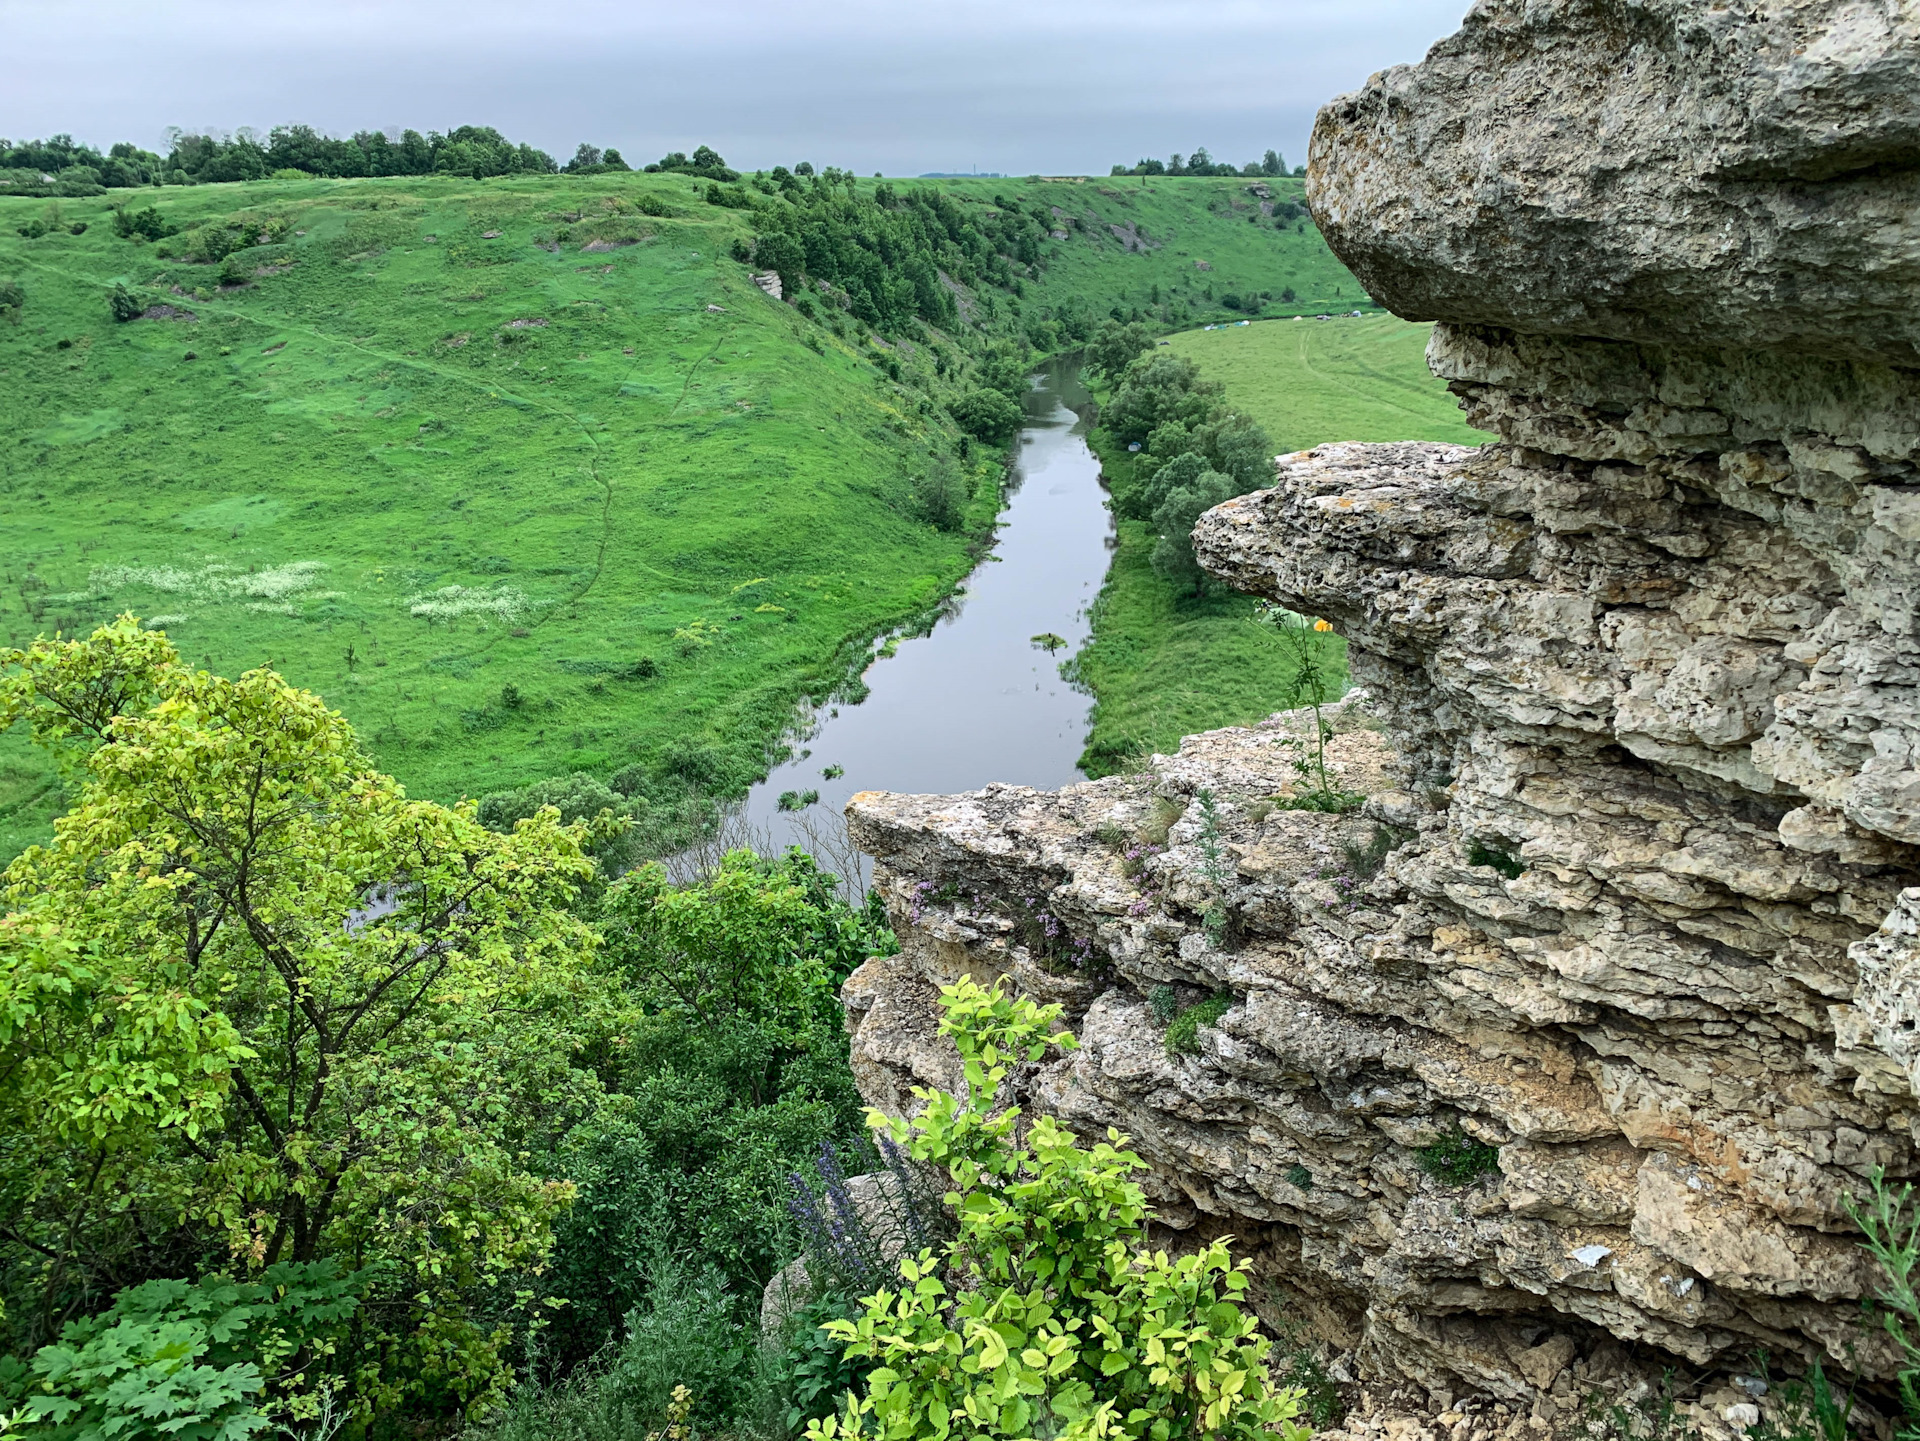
[976, 700]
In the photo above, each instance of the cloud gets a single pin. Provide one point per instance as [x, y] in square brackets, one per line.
[1017, 87]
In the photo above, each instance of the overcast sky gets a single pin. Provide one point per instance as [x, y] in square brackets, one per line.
[1018, 86]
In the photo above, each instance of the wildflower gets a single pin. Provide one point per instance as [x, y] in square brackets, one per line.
[1323, 625]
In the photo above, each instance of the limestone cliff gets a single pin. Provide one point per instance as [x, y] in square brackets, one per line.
[1646, 678]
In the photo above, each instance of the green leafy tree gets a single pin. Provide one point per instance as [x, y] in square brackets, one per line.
[1140, 501]
[988, 415]
[1116, 346]
[578, 797]
[1157, 388]
[1046, 1316]
[253, 997]
[727, 1078]
[124, 304]
[1173, 522]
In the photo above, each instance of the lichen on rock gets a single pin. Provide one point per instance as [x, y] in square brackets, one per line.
[1632, 910]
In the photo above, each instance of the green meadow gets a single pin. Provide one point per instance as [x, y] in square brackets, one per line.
[523, 479]
[1163, 665]
[1313, 381]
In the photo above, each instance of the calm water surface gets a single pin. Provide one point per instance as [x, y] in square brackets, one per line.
[976, 700]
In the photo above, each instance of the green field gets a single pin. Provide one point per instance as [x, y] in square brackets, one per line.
[1312, 381]
[521, 479]
[1163, 665]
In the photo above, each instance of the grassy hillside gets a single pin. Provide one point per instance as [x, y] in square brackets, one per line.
[1132, 239]
[1312, 381]
[521, 478]
[1163, 665]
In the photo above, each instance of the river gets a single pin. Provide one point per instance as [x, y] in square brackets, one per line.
[975, 700]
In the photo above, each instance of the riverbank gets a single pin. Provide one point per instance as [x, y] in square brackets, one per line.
[1161, 664]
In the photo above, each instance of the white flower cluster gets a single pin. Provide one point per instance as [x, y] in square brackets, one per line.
[450, 602]
[215, 580]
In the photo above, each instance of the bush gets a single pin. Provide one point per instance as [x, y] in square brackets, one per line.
[124, 304]
[147, 224]
[213, 1360]
[1183, 1036]
[578, 797]
[943, 495]
[683, 1359]
[13, 300]
[988, 415]
[728, 1076]
[1046, 1315]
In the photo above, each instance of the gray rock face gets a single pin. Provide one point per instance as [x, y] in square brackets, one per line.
[1646, 673]
[1669, 171]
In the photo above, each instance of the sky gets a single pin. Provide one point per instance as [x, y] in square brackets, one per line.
[1016, 86]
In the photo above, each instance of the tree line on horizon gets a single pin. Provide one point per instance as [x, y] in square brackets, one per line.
[62, 166]
[1201, 163]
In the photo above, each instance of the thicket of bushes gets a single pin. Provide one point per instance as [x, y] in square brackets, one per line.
[486, 1108]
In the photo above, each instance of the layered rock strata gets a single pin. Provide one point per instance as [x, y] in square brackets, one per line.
[1645, 799]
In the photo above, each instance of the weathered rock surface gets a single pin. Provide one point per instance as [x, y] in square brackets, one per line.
[1669, 171]
[1646, 673]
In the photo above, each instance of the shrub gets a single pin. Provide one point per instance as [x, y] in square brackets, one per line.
[124, 304]
[1183, 1036]
[212, 1360]
[727, 1075]
[1044, 1316]
[578, 797]
[815, 1372]
[943, 495]
[1457, 1159]
[147, 224]
[13, 300]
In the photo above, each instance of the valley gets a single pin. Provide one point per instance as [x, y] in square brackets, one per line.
[527, 476]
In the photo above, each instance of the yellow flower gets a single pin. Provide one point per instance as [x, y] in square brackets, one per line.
[1323, 625]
